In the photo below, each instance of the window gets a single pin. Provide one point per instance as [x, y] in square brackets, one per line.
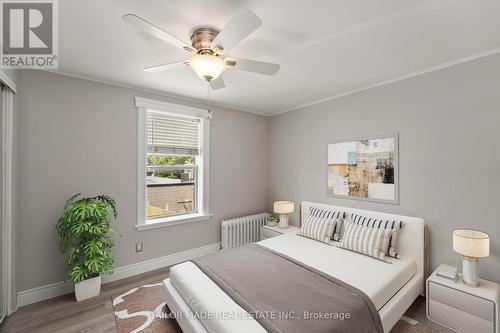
[173, 164]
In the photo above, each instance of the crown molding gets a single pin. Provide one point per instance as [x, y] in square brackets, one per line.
[201, 102]
[7, 81]
[394, 80]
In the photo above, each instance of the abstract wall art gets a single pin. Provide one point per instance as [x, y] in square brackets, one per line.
[364, 169]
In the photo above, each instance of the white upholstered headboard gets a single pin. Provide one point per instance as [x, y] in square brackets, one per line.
[412, 239]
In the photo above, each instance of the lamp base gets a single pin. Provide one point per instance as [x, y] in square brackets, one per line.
[470, 273]
[283, 221]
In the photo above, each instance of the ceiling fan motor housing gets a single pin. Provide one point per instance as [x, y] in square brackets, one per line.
[201, 38]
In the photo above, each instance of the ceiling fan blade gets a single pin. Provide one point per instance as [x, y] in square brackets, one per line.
[217, 83]
[164, 67]
[152, 29]
[253, 66]
[242, 24]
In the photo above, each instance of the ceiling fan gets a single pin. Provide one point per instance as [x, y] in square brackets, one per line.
[209, 47]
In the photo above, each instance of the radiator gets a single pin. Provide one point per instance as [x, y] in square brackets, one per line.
[242, 230]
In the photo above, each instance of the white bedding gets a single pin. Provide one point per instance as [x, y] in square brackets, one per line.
[379, 280]
[202, 295]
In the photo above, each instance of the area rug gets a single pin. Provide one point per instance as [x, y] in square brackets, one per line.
[143, 309]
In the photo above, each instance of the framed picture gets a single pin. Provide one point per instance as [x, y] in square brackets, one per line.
[365, 169]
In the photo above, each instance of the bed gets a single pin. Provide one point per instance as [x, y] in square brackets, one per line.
[397, 285]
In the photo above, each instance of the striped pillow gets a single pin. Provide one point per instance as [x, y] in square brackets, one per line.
[325, 213]
[365, 240]
[332, 215]
[395, 226]
[317, 228]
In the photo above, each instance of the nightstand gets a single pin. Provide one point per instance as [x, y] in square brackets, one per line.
[268, 232]
[463, 308]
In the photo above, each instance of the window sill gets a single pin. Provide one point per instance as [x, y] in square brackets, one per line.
[175, 220]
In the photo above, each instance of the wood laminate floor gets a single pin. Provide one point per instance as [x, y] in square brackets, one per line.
[64, 315]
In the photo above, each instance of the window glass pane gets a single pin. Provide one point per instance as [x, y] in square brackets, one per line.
[155, 159]
[171, 185]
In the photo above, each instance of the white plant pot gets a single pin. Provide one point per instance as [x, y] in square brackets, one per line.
[88, 288]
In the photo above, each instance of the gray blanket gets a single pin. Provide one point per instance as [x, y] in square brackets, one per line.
[284, 295]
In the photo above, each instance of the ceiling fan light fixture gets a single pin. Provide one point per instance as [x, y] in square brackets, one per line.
[209, 47]
[207, 67]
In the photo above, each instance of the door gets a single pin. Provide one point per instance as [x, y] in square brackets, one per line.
[3, 300]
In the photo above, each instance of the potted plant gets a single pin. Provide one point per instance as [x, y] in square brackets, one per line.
[84, 229]
[272, 220]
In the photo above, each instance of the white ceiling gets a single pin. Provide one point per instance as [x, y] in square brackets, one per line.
[325, 48]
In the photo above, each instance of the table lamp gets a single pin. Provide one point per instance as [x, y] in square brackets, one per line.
[472, 244]
[283, 208]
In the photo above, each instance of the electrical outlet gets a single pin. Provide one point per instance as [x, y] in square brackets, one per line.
[138, 247]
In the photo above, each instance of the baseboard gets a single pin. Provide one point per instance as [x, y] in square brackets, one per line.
[156, 263]
[48, 291]
[41, 293]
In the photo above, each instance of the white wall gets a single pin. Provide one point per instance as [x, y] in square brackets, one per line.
[80, 136]
[448, 123]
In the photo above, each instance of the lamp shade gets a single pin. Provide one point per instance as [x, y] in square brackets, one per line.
[283, 207]
[471, 243]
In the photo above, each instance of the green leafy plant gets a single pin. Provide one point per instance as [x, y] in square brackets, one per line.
[84, 229]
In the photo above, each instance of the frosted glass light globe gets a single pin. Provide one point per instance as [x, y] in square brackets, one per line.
[207, 67]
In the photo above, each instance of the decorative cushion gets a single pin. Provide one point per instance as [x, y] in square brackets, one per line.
[336, 215]
[325, 213]
[365, 240]
[390, 246]
[318, 228]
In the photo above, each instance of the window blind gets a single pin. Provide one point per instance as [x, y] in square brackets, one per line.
[167, 134]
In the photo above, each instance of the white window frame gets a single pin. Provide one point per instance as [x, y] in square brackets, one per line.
[203, 211]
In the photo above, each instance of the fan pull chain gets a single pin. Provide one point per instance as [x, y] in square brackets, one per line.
[208, 100]
[208, 96]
